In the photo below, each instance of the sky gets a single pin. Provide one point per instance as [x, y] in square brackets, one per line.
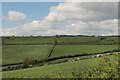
[51, 18]
[32, 10]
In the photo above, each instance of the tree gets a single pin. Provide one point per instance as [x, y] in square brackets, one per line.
[57, 36]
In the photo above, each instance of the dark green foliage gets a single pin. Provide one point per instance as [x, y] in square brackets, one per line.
[27, 62]
[105, 69]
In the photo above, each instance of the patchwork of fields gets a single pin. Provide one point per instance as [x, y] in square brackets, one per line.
[16, 49]
[61, 40]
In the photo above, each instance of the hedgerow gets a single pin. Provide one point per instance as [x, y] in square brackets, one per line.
[105, 69]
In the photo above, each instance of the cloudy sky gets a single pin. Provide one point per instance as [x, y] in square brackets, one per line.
[51, 18]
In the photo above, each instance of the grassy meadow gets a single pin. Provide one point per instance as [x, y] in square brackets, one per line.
[61, 40]
[65, 68]
[27, 40]
[15, 49]
[16, 53]
[64, 50]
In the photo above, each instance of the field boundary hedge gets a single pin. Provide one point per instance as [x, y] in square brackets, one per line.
[70, 43]
[21, 67]
[30, 44]
[51, 51]
[61, 57]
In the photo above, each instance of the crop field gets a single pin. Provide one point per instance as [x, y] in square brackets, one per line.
[17, 53]
[65, 68]
[64, 50]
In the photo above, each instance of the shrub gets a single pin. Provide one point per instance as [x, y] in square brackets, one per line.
[27, 62]
[105, 69]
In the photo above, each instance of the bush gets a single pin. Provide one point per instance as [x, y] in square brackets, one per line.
[27, 62]
[105, 69]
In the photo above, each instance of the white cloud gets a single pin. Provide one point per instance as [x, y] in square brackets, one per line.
[82, 11]
[92, 0]
[107, 27]
[83, 18]
[15, 16]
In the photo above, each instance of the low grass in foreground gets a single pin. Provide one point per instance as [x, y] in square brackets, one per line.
[64, 68]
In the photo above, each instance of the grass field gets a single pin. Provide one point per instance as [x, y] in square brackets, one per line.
[65, 68]
[64, 50]
[76, 39]
[64, 46]
[87, 39]
[17, 53]
[27, 40]
[51, 39]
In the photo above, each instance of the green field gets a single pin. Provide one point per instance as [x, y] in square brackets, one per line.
[64, 50]
[60, 40]
[27, 40]
[58, 46]
[65, 68]
[17, 53]
[76, 39]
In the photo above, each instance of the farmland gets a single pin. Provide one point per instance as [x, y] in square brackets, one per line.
[15, 53]
[65, 68]
[27, 40]
[63, 50]
[60, 40]
[50, 51]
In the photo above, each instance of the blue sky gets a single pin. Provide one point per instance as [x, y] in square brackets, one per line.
[51, 18]
[32, 10]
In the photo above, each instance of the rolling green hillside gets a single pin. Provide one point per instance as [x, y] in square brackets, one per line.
[17, 53]
[60, 40]
[27, 40]
[16, 49]
[65, 68]
[64, 50]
